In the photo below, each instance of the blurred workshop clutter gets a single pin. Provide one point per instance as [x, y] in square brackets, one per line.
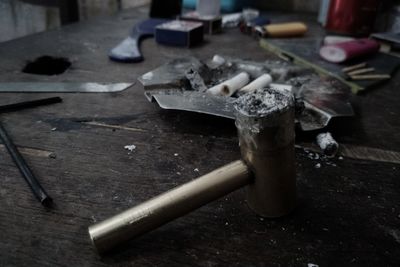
[23, 17]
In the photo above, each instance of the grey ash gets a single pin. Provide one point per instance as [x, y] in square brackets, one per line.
[263, 102]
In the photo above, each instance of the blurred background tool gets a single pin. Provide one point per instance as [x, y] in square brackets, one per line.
[128, 50]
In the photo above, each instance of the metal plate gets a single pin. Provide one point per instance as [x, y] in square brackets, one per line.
[59, 87]
[324, 97]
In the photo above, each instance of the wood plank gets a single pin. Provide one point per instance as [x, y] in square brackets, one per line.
[347, 212]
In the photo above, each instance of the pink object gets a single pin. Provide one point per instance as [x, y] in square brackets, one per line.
[341, 52]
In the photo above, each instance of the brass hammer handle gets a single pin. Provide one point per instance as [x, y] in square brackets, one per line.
[169, 205]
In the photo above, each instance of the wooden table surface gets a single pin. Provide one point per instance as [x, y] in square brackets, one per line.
[348, 210]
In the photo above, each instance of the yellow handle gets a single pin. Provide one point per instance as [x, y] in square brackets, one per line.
[291, 29]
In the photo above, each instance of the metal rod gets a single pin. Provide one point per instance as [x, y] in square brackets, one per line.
[169, 205]
[23, 167]
[29, 104]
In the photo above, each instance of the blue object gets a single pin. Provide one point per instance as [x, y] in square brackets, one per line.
[128, 50]
[180, 33]
[323, 11]
[227, 6]
[260, 21]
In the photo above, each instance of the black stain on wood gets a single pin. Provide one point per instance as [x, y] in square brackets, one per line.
[47, 65]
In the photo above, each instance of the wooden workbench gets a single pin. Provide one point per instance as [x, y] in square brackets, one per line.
[348, 210]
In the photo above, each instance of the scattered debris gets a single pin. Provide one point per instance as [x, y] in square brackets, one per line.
[53, 129]
[196, 170]
[195, 80]
[130, 148]
[312, 265]
[326, 142]
[318, 165]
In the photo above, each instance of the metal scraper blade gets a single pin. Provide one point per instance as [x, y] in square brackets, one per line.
[324, 98]
[60, 87]
[196, 102]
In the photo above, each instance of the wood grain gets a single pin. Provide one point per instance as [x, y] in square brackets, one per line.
[347, 212]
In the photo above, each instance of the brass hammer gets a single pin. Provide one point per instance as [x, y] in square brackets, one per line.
[265, 123]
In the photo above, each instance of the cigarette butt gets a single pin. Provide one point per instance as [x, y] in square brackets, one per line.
[361, 71]
[371, 77]
[229, 87]
[258, 83]
[354, 67]
[328, 145]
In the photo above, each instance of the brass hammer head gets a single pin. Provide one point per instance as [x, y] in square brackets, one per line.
[265, 123]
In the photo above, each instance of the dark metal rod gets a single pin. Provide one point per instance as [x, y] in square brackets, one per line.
[29, 104]
[23, 167]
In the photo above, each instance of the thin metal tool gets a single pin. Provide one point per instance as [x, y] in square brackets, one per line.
[23, 167]
[29, 177]
[29, 104]
[60, 87]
